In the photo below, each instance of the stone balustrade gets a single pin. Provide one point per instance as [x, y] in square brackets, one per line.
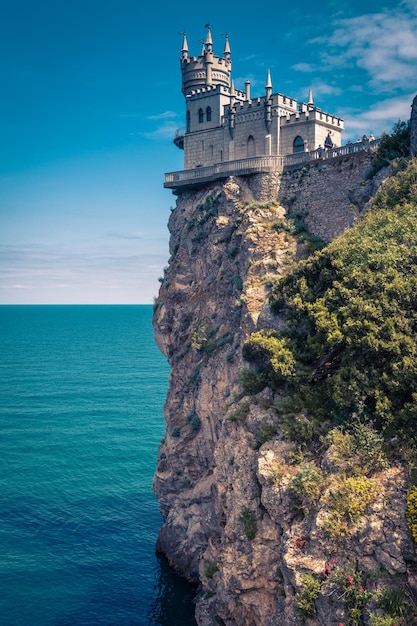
[259, 164]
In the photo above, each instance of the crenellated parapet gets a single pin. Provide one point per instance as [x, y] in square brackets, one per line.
[225, 124]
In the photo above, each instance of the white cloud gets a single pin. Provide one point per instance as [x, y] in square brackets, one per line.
[383, 44]
[166, 131]
[163, 116]
[379, 118]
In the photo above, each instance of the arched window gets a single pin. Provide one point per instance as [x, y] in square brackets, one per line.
[188, 122]
[200, 115]
[328, 143]
[208, 114]
[298, 145]
[250, 147]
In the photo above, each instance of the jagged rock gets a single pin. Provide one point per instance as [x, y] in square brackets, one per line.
[225, 493]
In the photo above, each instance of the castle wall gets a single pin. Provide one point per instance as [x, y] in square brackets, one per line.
[329, 194]
[204, 148]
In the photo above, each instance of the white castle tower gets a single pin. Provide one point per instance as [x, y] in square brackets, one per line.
[224, 124]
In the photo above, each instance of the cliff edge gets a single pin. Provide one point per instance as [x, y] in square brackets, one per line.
[254, 518]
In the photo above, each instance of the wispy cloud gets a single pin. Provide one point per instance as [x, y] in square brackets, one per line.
[379, 118]
[383, 44]
[165, 131]
[163, 116]
[134, 235]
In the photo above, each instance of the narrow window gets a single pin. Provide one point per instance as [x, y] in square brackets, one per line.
[250, 147]
[188, 122]
[298, 145]
[208, 114]
[200, 116]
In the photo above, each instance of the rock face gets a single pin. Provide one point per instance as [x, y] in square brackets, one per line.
[231, 523]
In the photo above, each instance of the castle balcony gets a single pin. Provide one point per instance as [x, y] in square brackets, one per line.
[186, 179]
[179, 138]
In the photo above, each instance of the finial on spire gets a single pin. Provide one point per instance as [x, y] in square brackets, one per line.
[184, 48]
[226, 50]
[310, 96]
[208, 38]
[268, 81]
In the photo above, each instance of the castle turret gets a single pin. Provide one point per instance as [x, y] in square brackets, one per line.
[206, 70]
[268, 101]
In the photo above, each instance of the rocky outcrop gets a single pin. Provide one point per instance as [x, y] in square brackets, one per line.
[232, 522]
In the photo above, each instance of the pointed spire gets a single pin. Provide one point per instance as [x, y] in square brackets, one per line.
[226, 50]
[208, 38]
[184, 48]
[310, 96]
[268, 81]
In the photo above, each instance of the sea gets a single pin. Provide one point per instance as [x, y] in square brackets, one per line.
[82, 390]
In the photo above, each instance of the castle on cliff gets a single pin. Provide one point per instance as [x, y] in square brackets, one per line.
[224, 125]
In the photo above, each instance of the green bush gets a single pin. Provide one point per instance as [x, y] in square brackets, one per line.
[265, 432]
[308, 482]
[351, 312]
[347, 500]
[210, 568]
[241, 413]
[380, 620]
[306, 600]
[248, 520]
[358, 447]
[391, 146]
[412, 511]
[272, 356]
[394, 602]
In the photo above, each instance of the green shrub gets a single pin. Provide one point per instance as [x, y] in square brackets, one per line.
[176, 432]
[347, 500]
[265, 432]
[308, 482]
[272, 357]
[306, 600]
[351, 315]
[357, 447]
[251, 383]
[394, 602]
[210, 568]
[248, 520]
[391, 146]
[241, 413]
[380, 620]
[194, 421]
[412, 511]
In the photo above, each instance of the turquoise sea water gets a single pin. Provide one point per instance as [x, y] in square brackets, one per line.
[81, 397]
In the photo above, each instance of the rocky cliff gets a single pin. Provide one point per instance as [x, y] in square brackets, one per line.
[234, 523]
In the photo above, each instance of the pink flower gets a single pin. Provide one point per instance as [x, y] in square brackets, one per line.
[360, 588]
[349, 579]
[373, 585]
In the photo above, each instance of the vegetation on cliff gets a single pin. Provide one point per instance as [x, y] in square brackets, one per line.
[343, 372]
[349, 346]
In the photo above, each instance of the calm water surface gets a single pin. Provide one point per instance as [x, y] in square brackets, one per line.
[81, 397]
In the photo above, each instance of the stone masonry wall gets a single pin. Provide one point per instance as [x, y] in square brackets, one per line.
[330, 195]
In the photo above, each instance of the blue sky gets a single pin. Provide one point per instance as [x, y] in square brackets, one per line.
[90, 100]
